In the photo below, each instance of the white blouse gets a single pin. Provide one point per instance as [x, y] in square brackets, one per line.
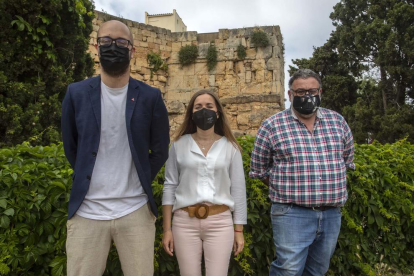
[218, 178]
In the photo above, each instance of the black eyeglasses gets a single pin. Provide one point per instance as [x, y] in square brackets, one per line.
[120, 42]
[303, 92]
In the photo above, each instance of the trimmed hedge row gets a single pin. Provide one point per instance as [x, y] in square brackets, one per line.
[377, 232]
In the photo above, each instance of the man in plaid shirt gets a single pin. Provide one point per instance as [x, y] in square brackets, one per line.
[302, 153]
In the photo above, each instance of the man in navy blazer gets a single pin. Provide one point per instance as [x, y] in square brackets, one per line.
[115, 134]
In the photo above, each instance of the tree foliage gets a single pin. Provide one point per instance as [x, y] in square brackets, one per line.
[42, 49]
[372, 48]
[377, 221]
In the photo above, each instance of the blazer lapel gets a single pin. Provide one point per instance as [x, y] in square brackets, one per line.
[132, 97]
[95, 95]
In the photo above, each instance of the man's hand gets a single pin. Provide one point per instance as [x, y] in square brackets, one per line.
[265, 181]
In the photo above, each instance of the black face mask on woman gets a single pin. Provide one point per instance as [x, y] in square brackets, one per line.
[114, 60]
[306, 104]
[205, 118]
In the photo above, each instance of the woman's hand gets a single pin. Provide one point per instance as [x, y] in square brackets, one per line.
[168, 242]
[238, 244]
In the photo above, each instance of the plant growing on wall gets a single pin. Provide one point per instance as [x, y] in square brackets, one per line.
[156, 62]
[241, 52]
[260, 39]
[211, 57]
[188, 54]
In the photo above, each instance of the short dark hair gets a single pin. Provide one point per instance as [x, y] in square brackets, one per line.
[304, 74]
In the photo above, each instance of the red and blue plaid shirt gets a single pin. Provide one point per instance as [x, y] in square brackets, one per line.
[304, 168]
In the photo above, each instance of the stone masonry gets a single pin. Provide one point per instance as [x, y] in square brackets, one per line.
[250, 90]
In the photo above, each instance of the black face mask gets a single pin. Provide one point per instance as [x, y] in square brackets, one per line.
[205, 118]
[307, 104]
[114, 60]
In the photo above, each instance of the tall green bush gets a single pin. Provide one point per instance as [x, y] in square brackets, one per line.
[42, 49]
[377, 224]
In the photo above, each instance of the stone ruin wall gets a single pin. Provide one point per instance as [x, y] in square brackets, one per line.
[251, 89]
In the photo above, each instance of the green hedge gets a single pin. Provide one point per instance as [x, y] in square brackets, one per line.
[377, 226]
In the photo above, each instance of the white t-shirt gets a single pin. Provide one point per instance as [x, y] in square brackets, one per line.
[115, 189]
[218, 178]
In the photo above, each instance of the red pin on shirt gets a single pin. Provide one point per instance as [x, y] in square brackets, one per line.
[132, 99]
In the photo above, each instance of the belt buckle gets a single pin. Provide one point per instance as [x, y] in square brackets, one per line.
[315, 208]
[206, 207]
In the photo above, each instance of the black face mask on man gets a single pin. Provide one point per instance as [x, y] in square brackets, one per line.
[205, 118]
[306, 104]
[114, 60]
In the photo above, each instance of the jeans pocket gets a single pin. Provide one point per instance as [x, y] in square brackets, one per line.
[279, 209]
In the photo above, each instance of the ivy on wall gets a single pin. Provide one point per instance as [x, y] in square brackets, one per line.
[156, 63]
[188, 54]
[260, 39]
[241, 52]
[211, 57]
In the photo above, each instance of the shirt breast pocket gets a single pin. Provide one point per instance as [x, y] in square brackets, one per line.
[334, 142]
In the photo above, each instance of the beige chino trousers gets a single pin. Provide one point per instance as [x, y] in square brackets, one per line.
[89, 241]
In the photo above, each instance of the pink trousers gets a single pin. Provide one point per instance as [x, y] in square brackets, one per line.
[213, 235]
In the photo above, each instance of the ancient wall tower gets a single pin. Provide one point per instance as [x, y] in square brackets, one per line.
[251, 89]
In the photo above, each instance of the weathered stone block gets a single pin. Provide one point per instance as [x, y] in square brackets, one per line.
[212, 80]
[258, 64]
[175, 81]
[176, 46]
[264, 52]
[243, 119]
[200, 68]
[260, 76]
[190, 82]
[202, 81]
[162, 79]
[248, 76]
[219, 69]
[273, 64]
[251, 53]
[232, 42]
[175, 107]
[202, 50]
[253, 88]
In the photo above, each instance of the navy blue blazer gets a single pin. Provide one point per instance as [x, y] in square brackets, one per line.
[147, 127]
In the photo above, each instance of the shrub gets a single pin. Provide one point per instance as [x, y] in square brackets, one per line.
[260, 39]
[241, 52]
[43, 48]
[188, 54]
[156, 63]
[211, 57]
[377, 224]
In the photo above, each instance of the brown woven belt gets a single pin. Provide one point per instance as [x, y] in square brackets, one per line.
[202, 211]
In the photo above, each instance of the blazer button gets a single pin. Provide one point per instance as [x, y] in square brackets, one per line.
[94, 154]
[88, 177]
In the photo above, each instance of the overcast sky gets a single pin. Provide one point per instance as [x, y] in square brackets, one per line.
[304, 23]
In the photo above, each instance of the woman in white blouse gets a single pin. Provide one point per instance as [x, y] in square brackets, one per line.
[204, 183]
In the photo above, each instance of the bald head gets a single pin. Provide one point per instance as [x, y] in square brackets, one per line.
[115, 29]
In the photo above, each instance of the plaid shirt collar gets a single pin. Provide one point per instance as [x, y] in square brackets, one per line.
[293, 115]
